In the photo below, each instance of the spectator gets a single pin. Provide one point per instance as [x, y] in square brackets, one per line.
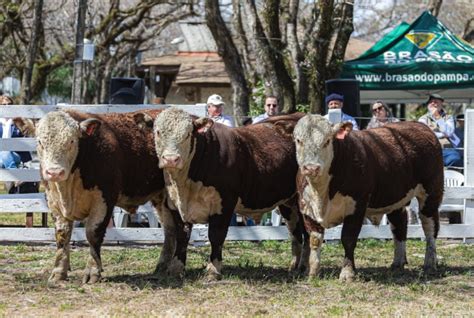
[381, 115]
[336, 101]
[11, 159]
[215, 108]
[442, 125]
[271, 109]
[459, 131]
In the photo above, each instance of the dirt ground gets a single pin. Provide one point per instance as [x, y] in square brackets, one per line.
[256, 283]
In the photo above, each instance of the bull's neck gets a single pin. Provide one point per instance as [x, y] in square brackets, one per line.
[64, 191]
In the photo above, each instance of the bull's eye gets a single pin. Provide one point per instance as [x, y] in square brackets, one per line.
[326, 143]
[298, 141]
[157, 133]
[40, 145]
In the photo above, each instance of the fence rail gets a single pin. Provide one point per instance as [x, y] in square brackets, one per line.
[36, 202]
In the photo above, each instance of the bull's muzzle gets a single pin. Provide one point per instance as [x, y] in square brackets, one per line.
[171, 161]
[54, 174]
[311, 170]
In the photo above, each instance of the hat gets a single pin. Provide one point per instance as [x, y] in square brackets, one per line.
[435, 96]
[215, 100]
[334, 96]
[460, 117]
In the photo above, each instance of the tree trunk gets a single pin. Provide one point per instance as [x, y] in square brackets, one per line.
[77, 75]
[434, 6]
[318, 56]
[270, 58]
[31, 53]
[230, 55]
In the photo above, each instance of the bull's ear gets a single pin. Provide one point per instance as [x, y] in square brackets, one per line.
[89, 127]
[27, 126]
[203, 124]
[341, 130]
[143, 121]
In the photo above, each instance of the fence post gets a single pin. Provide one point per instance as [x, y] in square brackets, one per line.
[469, 163]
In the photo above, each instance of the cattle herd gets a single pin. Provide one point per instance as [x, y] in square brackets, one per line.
[196, 171]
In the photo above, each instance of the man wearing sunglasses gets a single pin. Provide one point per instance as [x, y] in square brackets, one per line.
[271, 109]
[443, 126]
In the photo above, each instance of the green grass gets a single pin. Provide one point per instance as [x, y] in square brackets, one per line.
[255, 283]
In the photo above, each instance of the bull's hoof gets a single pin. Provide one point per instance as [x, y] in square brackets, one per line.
[161, 268]
[91, 276]
[293, 265]
[212, 273]
[347, 274]
[175, 268]
[398, 266]
[56, 277]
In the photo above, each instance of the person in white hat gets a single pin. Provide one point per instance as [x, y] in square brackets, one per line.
[215, 109]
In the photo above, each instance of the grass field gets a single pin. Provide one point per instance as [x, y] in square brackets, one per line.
[256, 283]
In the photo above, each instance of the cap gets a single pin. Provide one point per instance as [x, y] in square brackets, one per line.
[435, 96]
[334, 96]
[215, 100]
[460, 117]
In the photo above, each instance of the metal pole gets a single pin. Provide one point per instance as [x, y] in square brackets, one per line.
[76, 96]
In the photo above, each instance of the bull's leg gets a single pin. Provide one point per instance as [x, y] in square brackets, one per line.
[218, 227]
[350, 232]
[398, 223]
[63, 230]
[183, 234]
[96, 225]
[430, 222]
[169, 228]
[298, 236]
[316, 238]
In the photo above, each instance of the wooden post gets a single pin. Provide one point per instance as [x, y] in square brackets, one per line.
[29, 219]
[469, 164]
[77, 71]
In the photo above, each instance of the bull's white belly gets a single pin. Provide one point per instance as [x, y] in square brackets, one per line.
[376, 214]
[194, 201]
[70, 200]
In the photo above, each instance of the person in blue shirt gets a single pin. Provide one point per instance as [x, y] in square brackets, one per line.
[336, 101]
[11, 159]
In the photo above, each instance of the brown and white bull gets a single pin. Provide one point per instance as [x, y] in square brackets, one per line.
[212, 170]
[367, 173]
[91, 163]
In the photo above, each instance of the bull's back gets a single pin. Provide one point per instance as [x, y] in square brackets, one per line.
[125, 154]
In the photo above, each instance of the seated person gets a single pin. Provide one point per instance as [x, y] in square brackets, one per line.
[271, 109]
[11, 159]
[443, 126]
[336, 101]
[381, 115]
[215, 110]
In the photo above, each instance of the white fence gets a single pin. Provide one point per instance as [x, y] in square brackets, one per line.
[35, 202]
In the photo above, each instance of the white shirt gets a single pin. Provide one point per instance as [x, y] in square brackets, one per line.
[224, 119]
[260, 118]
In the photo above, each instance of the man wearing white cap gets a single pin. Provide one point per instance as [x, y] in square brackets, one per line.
[215, 107]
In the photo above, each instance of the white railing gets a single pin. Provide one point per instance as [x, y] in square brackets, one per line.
[36, 202]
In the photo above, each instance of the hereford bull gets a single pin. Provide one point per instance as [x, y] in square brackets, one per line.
[367, 173]
[211, 171]
[91, 163]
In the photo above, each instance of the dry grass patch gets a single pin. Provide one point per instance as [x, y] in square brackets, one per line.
[256, 283]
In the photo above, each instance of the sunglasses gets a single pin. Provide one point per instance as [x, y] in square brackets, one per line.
[377, 109]
[270, 105]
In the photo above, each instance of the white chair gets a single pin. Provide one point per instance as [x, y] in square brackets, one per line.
[452, 179]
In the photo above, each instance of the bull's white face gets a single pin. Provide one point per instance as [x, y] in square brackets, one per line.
[313, 137]
[173, 131]
[58, 137]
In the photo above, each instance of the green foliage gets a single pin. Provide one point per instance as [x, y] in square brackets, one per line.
[59, 82]
[304, 108]
[257, 99]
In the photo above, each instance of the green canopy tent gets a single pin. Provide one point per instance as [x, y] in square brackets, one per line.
[413, 61]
